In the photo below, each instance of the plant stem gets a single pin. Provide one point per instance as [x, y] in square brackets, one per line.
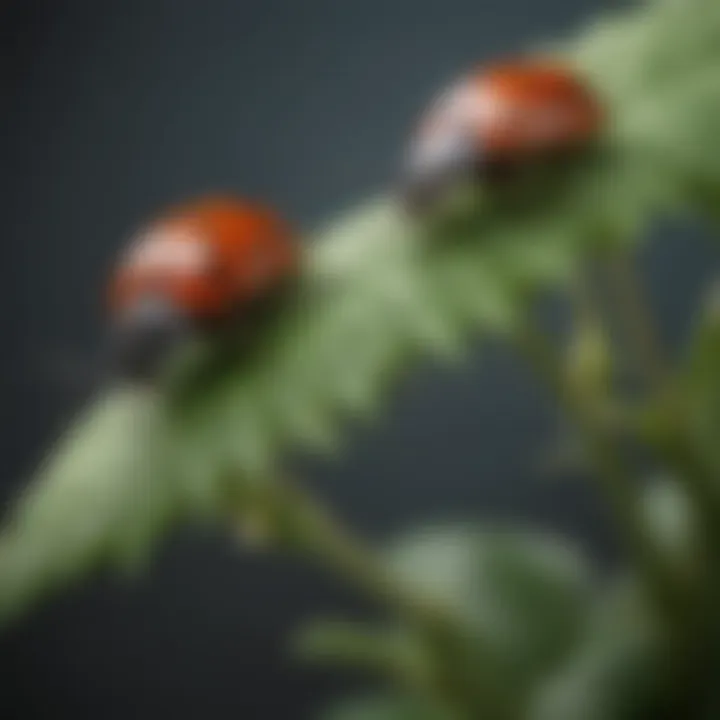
[306, 526]
[639, 327]
[616, 481]
[670, 437]
[300, 524]
[674, 443]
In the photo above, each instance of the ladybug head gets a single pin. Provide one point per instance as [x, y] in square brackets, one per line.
[446, 152]
[144, 335]
[158, 290]
[436, 164]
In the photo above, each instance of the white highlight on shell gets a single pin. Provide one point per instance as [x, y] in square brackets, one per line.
[179, 250]
[465, 106]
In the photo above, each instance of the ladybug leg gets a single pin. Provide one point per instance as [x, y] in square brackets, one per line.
[145, 335]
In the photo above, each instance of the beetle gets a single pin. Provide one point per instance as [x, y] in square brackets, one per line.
[497, 119]
[198, 266]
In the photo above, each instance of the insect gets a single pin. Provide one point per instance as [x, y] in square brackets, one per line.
[497, 119]
[197, 267]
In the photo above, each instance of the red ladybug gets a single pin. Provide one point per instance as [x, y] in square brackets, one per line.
[499, 118]
[199, 265]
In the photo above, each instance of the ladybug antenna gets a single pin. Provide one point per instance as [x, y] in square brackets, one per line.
[144, 336]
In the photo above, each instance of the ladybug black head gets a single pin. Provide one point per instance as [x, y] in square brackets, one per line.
[144, 335]
[435, 166]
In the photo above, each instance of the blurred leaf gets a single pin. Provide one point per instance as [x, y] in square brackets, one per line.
[390, 651]
[616, 672]
[664, 104]
[98, 499]
[671, 519]
[520, 600]
[525, 594]
[387, 707]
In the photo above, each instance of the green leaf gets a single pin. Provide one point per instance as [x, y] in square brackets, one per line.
[616, 674]
[517, 601]
[525, 594]
[387, 707]
[391, 651]
[672, 520]
[336, 351]
[98, 499]
[657, 66]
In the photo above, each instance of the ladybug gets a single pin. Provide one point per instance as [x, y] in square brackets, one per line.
[197, 267]
[497, 119]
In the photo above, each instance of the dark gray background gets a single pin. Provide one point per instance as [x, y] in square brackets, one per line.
[113, 108]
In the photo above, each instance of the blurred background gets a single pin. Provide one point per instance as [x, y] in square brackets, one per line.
[113, 109]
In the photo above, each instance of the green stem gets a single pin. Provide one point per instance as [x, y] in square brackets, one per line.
[304, 525]
[300, 524]
[672, 440]
[634, 313]
[670, 437]
[616, 481]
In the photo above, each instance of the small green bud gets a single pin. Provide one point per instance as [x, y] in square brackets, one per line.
[589, 359]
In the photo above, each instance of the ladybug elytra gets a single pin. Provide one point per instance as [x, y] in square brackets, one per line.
[200, 264]
[498, 118]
